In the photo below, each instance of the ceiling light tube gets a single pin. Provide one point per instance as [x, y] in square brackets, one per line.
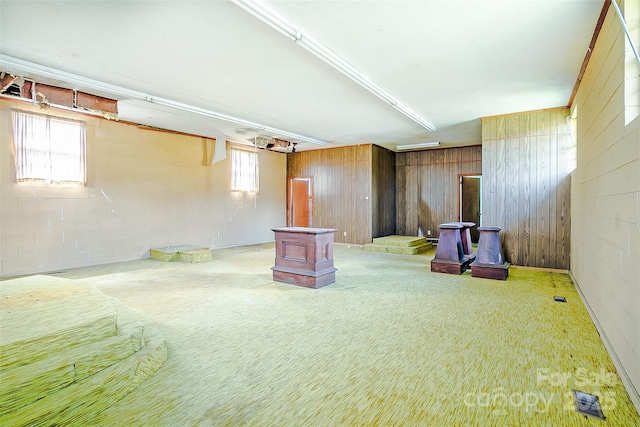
[221, 116]
[18, 66]
[269, 16]
[417, 146]
[414, 116]
[277, 21]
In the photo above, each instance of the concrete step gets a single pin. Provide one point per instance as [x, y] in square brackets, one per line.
[195, 255]
[26, 384]
[78, 403]
[68, 351]
[401, 241]
[182, 253]
[404, 250]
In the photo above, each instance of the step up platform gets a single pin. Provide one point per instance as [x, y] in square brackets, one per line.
[68, 351]
[406, 245]
[182, 253]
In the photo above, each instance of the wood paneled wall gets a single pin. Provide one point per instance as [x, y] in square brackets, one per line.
[383, 192]
[526, 165]
[427, 187]
[341, 189]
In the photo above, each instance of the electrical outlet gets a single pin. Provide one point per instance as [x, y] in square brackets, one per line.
[344, 233]
[428, 232]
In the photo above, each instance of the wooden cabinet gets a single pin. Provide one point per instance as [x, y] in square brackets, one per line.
[304, 256]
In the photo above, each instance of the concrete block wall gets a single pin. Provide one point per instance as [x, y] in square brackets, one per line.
[605, 204]
[144, 189]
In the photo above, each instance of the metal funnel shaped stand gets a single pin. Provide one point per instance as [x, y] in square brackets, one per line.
[490, 262]
[450, 256]
[465, 235]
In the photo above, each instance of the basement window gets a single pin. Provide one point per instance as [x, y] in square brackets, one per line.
[631, 65]
[48, 149]
[244, 171]
[569, 147]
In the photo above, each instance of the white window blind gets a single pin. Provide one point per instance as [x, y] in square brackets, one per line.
[48, 149]
[244, 171]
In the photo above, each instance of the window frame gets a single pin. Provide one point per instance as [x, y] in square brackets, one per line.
[245, 171]
[48, 149]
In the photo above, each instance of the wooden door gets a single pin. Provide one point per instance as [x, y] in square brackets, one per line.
[300, 203]
[470, 187]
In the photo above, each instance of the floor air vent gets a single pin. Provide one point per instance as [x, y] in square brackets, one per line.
[588, 404]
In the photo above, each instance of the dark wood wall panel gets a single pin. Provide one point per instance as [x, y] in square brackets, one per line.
[427, 187]
[526, 186]
[342, 181]
[383, 192]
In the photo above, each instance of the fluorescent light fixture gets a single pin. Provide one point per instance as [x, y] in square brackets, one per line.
[18, 66]
[417, 146]
[282, 25]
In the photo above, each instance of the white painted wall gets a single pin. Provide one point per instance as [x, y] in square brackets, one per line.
[605, 204]
[144, 189]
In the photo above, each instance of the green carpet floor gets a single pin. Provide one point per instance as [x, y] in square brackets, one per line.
[388, 344]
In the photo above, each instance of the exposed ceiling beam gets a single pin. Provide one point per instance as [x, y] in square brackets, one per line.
[18, 66]
[594, 38]
[6, 80]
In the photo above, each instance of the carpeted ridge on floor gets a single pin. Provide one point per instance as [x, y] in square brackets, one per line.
[389, 343]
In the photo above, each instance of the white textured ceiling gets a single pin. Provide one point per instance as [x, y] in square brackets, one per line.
[450, 61]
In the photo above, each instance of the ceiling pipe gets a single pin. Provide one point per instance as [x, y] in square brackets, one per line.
[626, 29]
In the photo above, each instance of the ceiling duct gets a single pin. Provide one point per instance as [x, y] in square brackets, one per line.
[262, 141]
[269, 143]
[17, 66]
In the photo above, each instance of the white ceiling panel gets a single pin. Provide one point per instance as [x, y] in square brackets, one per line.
[451, 62]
